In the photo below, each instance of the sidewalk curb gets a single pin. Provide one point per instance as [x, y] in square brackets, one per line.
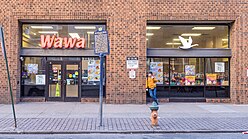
[121, 132]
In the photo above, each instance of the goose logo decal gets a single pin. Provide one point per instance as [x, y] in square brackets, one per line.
[186, 44]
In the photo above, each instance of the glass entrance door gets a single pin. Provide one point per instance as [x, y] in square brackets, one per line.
[55, 81]
[63, 81]
[71, 81]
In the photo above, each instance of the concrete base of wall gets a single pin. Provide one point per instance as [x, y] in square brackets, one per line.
[160, 100]
[88, 100]
[218, 100]
[33, 99]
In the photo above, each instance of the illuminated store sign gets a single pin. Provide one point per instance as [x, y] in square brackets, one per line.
[57, 42]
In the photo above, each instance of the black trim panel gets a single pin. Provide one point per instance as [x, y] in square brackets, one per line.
[57, 52]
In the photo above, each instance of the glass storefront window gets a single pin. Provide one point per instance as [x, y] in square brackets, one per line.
[205, 36]
[217, 77]
[33, 76]
[160, 69]
[91, 77]
[191, 77]
[187, 71]
[31, 33]
[217, 72]
[91, 71]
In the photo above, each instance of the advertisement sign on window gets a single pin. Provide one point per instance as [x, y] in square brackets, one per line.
[211, 79]
[94, 70]
[189, 80]
[189, 70]
[41, 79]
[219, 67]
[32, 68]
[157, 69]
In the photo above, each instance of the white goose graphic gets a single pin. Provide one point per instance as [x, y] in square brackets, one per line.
[186, 44]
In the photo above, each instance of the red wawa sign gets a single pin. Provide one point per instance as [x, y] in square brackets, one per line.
[58, 42]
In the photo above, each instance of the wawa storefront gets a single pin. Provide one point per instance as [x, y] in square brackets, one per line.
[58, 62]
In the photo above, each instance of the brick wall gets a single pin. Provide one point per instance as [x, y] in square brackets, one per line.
[126, 22]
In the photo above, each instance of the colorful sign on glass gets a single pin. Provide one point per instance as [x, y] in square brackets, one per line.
[157, 69]
[189, 70]
[211, 79]
[94, 70]
[189, 80]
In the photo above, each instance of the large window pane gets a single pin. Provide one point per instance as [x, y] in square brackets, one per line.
[91, 76]
[33, 76]
[31, 33]
[187, 71]
[187, 77]
[206, 36]
[160, 68]
[217, 77]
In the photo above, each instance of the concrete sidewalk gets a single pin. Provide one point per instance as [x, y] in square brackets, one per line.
[64, 117]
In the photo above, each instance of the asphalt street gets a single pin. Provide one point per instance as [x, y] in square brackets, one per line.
[128, 136]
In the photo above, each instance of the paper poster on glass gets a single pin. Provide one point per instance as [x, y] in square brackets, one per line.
[94, 70]
[211, 79]
[189, 80]
[190, 70]
[32, 68]
[219, 66]
[157, 69]
[41, 79]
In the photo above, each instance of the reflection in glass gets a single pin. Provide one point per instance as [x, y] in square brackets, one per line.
[33, 76]
[192, 77]
[206, 36]
[54, 80]
[72, 80]
[187, 71]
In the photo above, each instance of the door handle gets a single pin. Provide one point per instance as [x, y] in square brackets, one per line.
[64, 82]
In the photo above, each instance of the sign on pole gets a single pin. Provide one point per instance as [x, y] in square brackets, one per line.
[7, 68]
[101, 42]
[101, 48]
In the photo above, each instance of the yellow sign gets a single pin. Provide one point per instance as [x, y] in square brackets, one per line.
[190, 78]
[57, 94]
[76, 73]
[211, 79]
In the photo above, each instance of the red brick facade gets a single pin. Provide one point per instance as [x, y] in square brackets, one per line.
[126, 23]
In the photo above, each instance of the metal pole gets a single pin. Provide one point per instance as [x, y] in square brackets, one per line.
[101, 88]
[7, 68]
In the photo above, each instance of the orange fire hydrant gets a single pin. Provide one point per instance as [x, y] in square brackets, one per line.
[154, 113]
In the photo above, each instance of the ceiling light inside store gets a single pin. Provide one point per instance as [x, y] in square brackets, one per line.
[85, 27]
[171, 43]
[179, 40]
[176, 39]
[224, 40]
[147, 39]
[90, 32]
[25, 35]
[149, 34]
[191, 34]
[74, 35]
[48, 32]
[42, 27]
[152, 27]
[203, 28]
